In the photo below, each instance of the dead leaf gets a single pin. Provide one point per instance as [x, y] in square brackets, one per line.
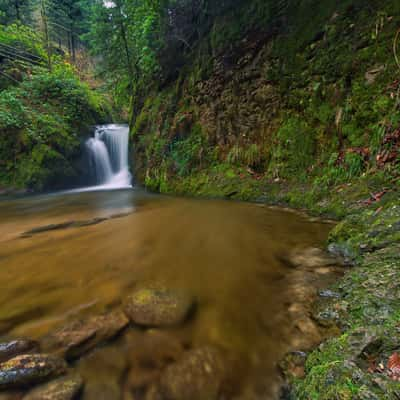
[394, 366]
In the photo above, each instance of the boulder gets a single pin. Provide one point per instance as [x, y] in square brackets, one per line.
[64, 388]
[16, 347]
[29, 369]
[104, 370]
[156, 307]
[198, 375]
[77, 338]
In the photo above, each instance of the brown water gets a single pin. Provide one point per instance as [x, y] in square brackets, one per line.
[225, 253]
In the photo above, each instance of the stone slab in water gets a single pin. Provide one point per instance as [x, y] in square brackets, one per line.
[198, 375]
[15, 347]
[30, 369]
[158, 307]
[80, 336]
[64, 388]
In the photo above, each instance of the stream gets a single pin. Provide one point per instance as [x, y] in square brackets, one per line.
[68, 256]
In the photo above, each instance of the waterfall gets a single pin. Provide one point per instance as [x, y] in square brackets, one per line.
[108, 156]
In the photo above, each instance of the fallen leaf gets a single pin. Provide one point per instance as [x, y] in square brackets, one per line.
[394, 366]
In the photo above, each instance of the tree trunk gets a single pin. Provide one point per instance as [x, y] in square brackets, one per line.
[17, 10]
[46, 34]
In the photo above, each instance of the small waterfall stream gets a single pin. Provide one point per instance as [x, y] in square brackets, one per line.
[108, 157]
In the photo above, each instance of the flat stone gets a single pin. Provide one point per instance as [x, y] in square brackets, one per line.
[29, 369]
[198, 375]
[15, 347]
[157, 307]
[77, 338]
[64, 388]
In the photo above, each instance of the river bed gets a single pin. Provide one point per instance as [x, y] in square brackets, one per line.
[68, 256]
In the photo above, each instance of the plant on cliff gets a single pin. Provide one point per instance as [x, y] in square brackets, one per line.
[42, 116]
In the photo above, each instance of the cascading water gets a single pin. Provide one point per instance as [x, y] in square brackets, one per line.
[108, 157]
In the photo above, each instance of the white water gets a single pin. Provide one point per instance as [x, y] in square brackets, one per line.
[108, 158]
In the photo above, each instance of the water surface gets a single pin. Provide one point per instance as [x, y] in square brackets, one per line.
[226, 254]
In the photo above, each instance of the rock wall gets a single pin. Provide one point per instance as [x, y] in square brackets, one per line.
[311, 97]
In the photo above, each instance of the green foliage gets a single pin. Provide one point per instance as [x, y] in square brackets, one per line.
[187, 154]
[251, 155]
[22, 37]
[295, 148]
[12, 11]
[126, 35]
[40, 124]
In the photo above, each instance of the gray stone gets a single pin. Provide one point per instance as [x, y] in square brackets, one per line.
[15, 347]
[29, 369]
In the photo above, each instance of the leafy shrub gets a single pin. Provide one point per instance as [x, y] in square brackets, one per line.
[40, 125]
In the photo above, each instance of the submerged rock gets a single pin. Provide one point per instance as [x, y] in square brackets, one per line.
[29, 369]
[158, 307]
[77, 338]
[311, 258]
[103, 371]
[293, 365]
[65, 388]
[15, 347]
[198, 375]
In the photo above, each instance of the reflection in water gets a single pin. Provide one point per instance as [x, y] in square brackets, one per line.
[226, 254]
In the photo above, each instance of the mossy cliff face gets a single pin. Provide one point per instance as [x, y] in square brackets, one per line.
[305, 94]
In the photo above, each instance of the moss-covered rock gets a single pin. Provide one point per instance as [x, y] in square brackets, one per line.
[158, 306]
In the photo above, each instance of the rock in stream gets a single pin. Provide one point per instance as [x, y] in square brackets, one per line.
[156, 307]
[30, 369]
[16, 347]
[198, 375]
[64, 388]
[77, 338]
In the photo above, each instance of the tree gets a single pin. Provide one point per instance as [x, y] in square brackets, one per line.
[16, 11]
[125, 36]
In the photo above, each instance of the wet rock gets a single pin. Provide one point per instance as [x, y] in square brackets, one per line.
[102, 391]
[103, 371]
[158, 307]
[328, 294]
[310, 258]
[11, 395]
[154, 393]
[326, 317]
[77, 338]
[153, 348]
[16, 347]
[343, 252]
[71, 224]
[198, 375]
[306, 334]
[362, 340]
[29, 369]
[65, 388]
[140, 379]
[293, 365]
